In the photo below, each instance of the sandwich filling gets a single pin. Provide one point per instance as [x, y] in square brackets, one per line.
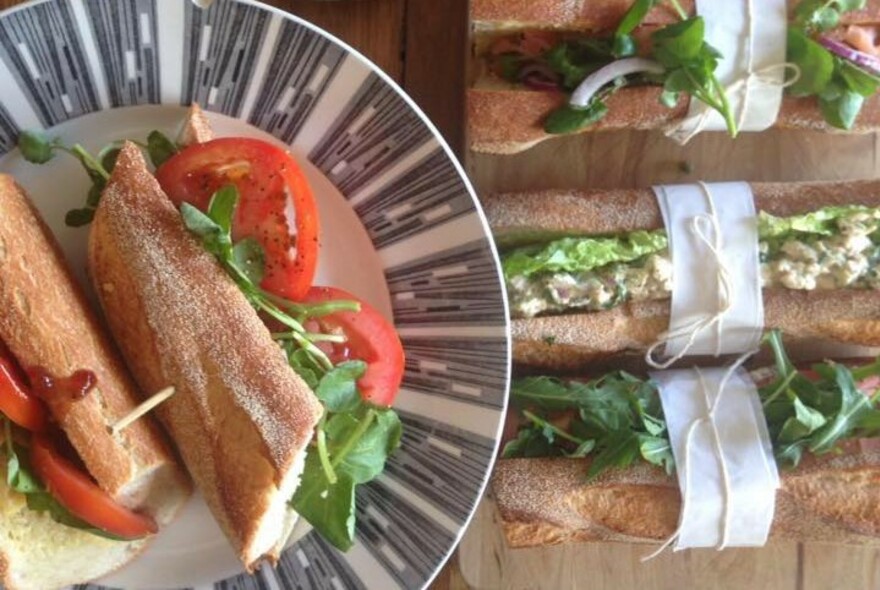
[837, 65]
[832, 248]
[618, 419]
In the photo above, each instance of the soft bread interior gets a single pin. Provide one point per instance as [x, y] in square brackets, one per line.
[36, 553]
[277, 522]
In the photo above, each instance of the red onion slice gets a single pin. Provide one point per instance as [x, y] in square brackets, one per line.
[859, 58]
[584, 93]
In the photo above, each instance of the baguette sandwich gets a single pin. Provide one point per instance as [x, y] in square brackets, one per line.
[588, 273]
[282, 388]
[240, 416]
[78, 499]
[529, 56]
[591, 461]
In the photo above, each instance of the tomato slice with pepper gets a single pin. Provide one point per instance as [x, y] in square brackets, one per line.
[267, 178]
[16, 401]
[82, 497]
[370, 338]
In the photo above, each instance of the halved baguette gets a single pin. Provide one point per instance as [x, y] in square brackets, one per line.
[241, 417]
[505, 119]
[565, 342]
[37, 553]
[832, 498]
[46, 323]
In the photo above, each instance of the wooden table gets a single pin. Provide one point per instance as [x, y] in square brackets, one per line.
[423, 44]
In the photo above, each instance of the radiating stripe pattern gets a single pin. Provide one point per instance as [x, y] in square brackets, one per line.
[8, 131]
[427, 195]
[375, 131]
[43, 49]
[303, 65]
[310, 564]
[126, 38]
[243, 61]
[454, 286]
[220, 53]
[454, 368]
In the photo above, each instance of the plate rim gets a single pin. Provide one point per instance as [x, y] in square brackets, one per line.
[468, 185]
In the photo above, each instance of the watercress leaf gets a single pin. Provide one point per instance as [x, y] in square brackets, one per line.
[790, 455]
[618, 449]
[199, 223]
[568, 118]
[108, 156]
[853, 404]
[680, 42]
[302, 362]
[530, 442]
[805, 421]
[842, 111]
[221, 209]
[36, 146]
[18, 476]
[328, 508]
[94, 196]
[79, 217]
[582, 450]
[250, 260]
[657, 451]
[678, 81]
[160, 148]
[337, 389]
[366, 458]
[857, 79]
[624, 46]
[815, 63]
[634, 16]
[826, 18]
[669, 99]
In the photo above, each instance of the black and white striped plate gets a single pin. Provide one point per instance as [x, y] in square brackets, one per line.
[400, 227]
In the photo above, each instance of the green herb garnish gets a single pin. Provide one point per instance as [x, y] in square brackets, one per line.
[353, 438]
[618, 419]
[38, 148]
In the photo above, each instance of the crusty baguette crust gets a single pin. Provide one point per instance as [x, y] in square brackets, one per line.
[600, 15]
[832, 498]
[565, 342]
[508, 121]
[511, 121]
[241, 417]
[47, 323]
[196, 128]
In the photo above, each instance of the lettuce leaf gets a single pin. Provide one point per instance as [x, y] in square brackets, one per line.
[822, 222]
[582, 254]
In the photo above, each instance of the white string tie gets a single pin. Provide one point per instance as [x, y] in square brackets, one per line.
[715, 244]
[709, 418]
[764, 76]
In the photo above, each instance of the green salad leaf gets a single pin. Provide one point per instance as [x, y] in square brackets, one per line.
[582, 254]
[617, 419]
[822, 222]
[354, 439]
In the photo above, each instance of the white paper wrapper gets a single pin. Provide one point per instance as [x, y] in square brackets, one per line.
[695, 282]
[751, 36]
[749, 497]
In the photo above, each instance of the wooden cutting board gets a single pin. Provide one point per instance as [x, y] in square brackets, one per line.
[639, 160]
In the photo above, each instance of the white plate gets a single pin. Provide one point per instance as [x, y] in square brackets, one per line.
[400, 227]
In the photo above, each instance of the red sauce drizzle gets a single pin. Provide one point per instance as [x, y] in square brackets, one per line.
[61, 392]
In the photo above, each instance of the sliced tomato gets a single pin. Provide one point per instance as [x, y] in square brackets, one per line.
[267, 178]
[82, 497]
[370, 338]
[16, 401]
